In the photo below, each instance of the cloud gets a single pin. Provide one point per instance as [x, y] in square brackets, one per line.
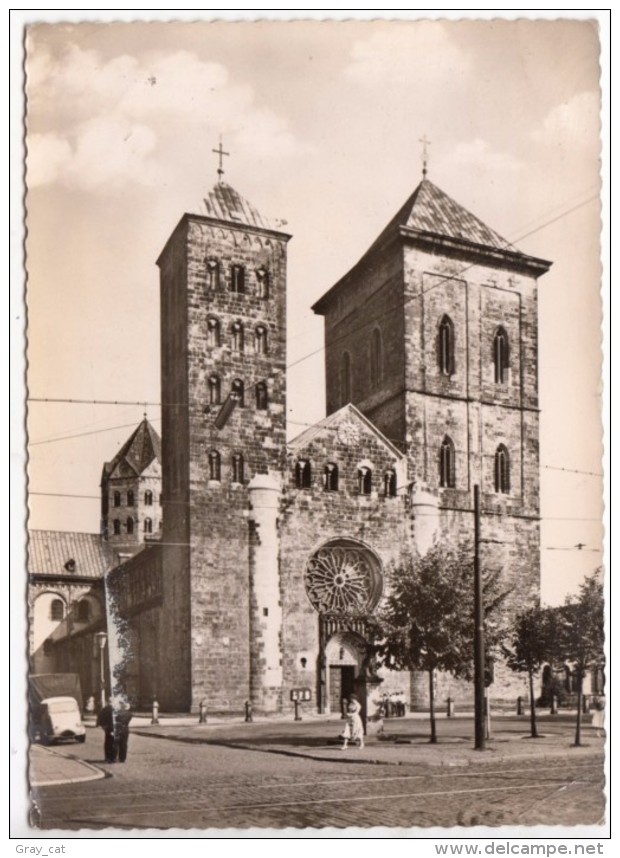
[572, 125]
[96, 123]
[477, 155]
[422, 53]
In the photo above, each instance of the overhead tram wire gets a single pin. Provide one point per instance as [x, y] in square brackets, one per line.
[189, 503]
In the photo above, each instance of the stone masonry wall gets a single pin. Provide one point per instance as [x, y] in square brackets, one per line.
[311, 518]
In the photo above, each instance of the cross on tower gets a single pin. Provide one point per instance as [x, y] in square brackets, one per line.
[219, 151]
[424, 143]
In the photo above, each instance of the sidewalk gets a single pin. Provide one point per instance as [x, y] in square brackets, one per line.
[47, 768]
[405, 741]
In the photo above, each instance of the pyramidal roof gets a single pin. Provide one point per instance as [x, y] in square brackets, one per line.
[224, 203]
[431, 210]
[139, 449]
[430, 215]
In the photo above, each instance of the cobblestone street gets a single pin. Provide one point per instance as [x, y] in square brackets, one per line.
[170, 784]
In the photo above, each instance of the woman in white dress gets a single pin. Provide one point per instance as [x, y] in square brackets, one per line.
[598, 715]
[354, 731]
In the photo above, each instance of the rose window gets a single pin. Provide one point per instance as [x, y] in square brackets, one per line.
[343, 578]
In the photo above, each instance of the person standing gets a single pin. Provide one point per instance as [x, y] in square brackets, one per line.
[121, 730]
[354, 731]
[105, 720]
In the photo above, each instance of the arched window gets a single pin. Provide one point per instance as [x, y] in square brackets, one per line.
[364, 480]
[214, 466]
[130, 525]
[213, 331]
[262, 282]
[447, 471]
[389, 483]
[148, 525]
[376, 358]
[261, 396]
[237, 392]
[345, 378]
[237, 336]
[214, 390]
[502, 470]
[83, 611]
[57, 610]
[303, 474]
[501, 356]
[148, 498]
[117, 498]
[117, 526]
[445, 346]
[213, 275]
[237, 279]
[237, 467]
[331, 477]
[260, 340]
[129, 498]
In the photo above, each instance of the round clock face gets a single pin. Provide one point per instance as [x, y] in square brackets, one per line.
[348, 433]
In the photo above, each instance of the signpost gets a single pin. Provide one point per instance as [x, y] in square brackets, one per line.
[299, 695]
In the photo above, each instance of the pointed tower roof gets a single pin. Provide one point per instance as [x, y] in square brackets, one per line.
[434, 221]
[139, 450]
[224, 203]
[430, 210]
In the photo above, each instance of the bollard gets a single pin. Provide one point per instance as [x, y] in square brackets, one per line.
[248, 712]
[297, 715]
[554, 705]
[155, 715]
[202, 712]
[519, 705]
[450, 709]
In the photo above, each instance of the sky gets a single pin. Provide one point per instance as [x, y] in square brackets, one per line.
[322, 121]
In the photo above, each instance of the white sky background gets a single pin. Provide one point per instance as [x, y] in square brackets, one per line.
[322, 121]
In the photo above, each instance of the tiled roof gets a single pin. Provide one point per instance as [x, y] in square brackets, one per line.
[50, 552]
[430, 210]
[139, 450]
[224, 203]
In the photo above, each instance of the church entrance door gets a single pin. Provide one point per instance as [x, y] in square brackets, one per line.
[341, 684]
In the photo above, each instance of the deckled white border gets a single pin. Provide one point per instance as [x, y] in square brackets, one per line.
[18, 739]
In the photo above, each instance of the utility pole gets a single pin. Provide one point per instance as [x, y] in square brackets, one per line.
[479, 714]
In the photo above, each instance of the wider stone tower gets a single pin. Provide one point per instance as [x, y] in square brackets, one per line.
[433, 335]
[223, 318]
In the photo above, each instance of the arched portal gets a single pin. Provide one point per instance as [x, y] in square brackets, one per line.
[344, 583]
[344, 657]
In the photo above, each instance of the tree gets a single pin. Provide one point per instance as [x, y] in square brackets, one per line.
[582, 635]
[530, 641]
[427, 621]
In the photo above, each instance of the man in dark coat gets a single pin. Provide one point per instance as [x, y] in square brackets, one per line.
[122, 717]
[105, 720]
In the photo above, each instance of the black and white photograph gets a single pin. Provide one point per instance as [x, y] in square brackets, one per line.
[312, 427]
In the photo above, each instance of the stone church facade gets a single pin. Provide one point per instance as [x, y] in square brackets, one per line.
[273, 555]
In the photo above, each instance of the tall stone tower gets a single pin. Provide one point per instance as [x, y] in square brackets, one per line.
[223, 327]
[433, 335]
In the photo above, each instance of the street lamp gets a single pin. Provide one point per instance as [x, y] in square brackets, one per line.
[102, 639]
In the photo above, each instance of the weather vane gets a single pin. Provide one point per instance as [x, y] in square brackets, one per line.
[424, 143]
[219, 151]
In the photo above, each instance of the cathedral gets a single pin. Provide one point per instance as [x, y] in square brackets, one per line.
[272, 557]
[242, 568]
